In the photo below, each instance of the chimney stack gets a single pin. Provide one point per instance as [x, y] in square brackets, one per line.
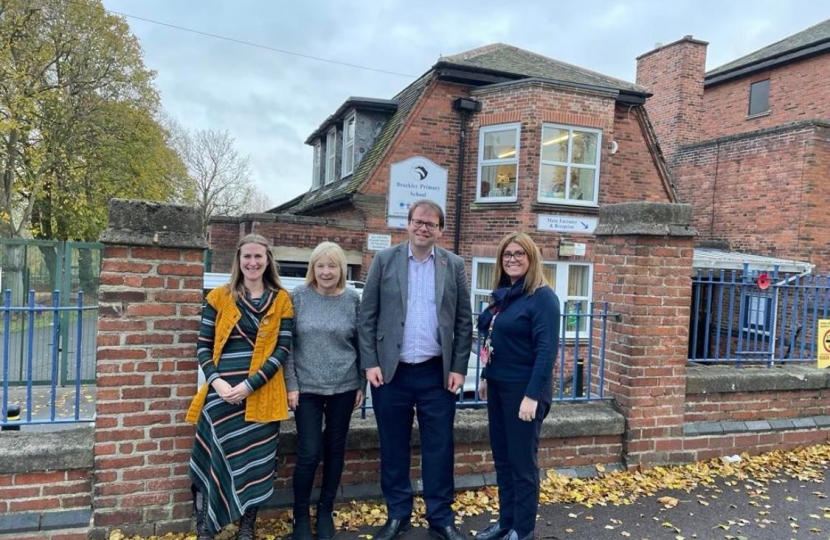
[674, 74]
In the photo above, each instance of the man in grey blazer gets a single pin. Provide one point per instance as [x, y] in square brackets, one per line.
[415, 338]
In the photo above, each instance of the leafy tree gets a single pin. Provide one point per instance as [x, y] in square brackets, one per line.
[77, 123]
[77, 120]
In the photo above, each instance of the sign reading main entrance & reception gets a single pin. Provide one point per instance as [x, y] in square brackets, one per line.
[412, 179]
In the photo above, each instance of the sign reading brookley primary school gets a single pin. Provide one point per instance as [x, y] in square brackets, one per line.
[412, 179]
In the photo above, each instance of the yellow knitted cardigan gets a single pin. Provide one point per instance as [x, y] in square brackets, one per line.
[269, 403]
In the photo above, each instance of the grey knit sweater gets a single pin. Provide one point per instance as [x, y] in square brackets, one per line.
[325, 358]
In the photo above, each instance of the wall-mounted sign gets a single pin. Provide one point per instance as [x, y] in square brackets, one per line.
[377, 242]
[569, 224]
[412, 179]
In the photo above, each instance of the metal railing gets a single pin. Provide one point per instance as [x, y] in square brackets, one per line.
[756, 317]
[579, 371]
[35, 370]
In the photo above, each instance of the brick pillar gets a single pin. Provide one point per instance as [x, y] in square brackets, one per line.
[642, 267]
[149, 305]
[674, 73]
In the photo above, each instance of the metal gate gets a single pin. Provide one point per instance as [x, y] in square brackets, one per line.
[42, 280]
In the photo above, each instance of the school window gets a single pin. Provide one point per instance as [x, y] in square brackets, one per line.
[757, 313]
[315, 170]
[570, 281]
[498, 163]
[759, 97]
[348, 146]
[569, 166]
[331, 155]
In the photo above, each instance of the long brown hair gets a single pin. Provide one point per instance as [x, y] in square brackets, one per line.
[535, 276]
[270, 277]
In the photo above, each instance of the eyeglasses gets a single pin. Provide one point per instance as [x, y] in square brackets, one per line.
[417, 223]
[517, 255]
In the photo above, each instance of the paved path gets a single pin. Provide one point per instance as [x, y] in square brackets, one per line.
[730, 509]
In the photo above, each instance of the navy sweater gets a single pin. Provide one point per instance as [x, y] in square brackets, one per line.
[525, 338]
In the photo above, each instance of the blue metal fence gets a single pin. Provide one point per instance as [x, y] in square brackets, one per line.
[750, 316]
[35, 383]
[579, 372]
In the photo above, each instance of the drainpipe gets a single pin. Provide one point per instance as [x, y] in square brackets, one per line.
[464, 106]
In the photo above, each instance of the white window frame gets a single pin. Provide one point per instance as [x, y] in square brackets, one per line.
[315, 168]
[758, 310]
[561, 289]
[568, 166]
[331, 155]
[347, 162]
[508, 160]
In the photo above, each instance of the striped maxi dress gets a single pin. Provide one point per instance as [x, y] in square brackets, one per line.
[233, 461]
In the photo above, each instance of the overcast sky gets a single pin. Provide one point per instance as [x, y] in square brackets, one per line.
[271, 101]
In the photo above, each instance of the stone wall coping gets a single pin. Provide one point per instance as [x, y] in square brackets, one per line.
[731, 379]
[645, 219]
[34, 451]
[144, 223]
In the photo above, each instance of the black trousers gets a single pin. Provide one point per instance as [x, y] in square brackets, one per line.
[515, 445]
[418, 387]
[315, 442]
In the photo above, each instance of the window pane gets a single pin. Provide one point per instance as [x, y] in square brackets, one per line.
[759, 97]
[577, 280]
[584, 148]
[484, 276]
[550, 274]
[349, 131]
[498, 180]
[555, 144]
[553, 182]
[582, 184]
[500, 144]
[576, 312]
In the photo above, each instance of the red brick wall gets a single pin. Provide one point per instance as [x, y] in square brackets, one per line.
[741, 407]
[647, 282]
[715, 446]
[149, 307]
[798, 91]
[363, 466]
[674, 74]
[47, 490]
[760, 194]
[432, 131]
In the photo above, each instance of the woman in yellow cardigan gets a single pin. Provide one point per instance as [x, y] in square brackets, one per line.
[244, 339]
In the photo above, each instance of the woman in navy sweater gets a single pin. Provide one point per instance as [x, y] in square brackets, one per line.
[520, 328]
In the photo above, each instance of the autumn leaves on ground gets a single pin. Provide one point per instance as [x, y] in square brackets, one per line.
[754, 474]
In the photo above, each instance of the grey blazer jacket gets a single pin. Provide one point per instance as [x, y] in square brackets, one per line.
[383, 311]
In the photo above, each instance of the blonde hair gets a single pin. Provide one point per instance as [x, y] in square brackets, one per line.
[270, 277]
[535, 276]
[333, 252]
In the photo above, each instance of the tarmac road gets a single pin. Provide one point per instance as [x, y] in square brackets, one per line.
[727, 510]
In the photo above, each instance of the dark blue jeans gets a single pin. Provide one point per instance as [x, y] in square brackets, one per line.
[315, 442]
[515, 445]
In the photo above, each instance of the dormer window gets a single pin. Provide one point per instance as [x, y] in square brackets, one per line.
[315, 169]
[331, 155]
[348, 146]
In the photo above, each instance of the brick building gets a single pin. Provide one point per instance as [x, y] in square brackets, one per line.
[748, 143]
[517, 140]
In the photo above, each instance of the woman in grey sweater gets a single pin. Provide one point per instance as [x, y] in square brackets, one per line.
[324, 381]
